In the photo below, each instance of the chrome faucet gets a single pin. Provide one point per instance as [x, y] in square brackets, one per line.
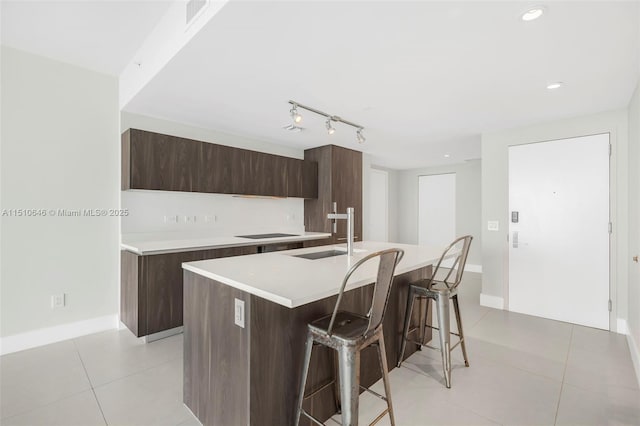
[350, 219]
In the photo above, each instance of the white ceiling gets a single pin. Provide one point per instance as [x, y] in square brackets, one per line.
[99, 35]
[424, 78]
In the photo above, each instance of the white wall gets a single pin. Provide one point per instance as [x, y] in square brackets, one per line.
[392, 212]
[495, 197]
[60, 150]
[468, 204]
[633, 319]
[234, 214]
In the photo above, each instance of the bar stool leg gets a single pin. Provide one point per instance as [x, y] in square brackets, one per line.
[456, 308]
[407, 322]
[442, 303]
[303, 379]
[349, 384]
[422, 318]
[336, 384]
[382, 357]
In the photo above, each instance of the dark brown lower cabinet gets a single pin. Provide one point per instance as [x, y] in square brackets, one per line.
[151, 287]
[250, 375]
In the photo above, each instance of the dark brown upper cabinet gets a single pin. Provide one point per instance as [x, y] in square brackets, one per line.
[169, 163]
[158, 161]
[339, 180]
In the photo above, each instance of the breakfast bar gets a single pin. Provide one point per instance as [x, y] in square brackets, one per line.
[245, 321]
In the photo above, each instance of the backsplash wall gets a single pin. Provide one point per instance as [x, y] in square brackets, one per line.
[196, 214]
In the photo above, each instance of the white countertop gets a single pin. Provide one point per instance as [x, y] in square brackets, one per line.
[293, 281]
[174, 245]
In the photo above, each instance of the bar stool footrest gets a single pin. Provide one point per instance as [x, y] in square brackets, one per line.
[374, 393]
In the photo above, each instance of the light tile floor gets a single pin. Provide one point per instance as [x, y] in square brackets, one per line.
[524, 371]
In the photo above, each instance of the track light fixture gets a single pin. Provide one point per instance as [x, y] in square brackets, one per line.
[297, 118]
[330, 129]
[295, 115]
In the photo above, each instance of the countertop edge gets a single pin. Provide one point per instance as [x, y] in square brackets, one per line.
[249, 242]
[290, 303]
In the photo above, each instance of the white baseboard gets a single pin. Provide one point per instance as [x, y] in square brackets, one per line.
[635, 355]
[621, 326]
[58, 333]
[491, 301]
[473, 268]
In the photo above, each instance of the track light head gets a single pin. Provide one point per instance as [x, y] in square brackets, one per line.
[330, 129]
[359, 136]
[295, 115]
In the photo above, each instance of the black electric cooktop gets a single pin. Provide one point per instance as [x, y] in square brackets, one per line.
[260, 236]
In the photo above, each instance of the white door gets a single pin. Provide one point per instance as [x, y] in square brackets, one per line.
[559, 230]
[436, 210]
[379, 205]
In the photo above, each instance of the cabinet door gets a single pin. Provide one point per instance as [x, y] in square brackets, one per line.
[267, 175]
[346, 187]
[302, 178]
[161, 162]
[214, 169]
[309, 179]
[163, 290]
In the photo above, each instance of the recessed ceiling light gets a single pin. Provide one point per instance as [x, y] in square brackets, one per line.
[533, 13]
[553, 86]
[447, 156]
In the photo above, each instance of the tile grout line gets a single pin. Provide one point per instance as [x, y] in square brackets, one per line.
[144, 369]
[93, 391]
[22, 413]
[566, 363]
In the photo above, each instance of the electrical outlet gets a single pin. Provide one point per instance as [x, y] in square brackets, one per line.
[493, 225]
[171, 219]
[58, 301]
[239, 313]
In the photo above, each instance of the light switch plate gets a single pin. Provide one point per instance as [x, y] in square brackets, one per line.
[239, 313]
[493, 225]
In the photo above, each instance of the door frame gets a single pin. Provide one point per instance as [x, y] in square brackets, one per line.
[455, 197]
[613, 236]
[386, 199]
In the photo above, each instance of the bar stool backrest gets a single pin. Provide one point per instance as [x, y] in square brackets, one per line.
[389, 259]
[460, 248]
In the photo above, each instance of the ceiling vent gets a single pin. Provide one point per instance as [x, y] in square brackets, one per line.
[194, 8]
[293, 128]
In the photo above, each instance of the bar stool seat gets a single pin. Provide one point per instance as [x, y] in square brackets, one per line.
[347, 326]
[441, 292]
[348, 334]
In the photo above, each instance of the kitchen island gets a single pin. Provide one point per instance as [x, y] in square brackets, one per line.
[245, 327]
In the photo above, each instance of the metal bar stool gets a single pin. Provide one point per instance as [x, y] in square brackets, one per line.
[350, 333]
[441, 291]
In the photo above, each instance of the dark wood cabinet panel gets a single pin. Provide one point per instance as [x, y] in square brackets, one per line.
[302, 178]
[267, 175]
[346, 183]
[316, 210]
[162, 162]
[339, 180]
[214, 169]
[151, 299]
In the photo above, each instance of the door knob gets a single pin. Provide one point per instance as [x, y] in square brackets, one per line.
[635, 258]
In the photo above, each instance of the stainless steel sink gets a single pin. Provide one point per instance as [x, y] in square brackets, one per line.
[321, 254]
